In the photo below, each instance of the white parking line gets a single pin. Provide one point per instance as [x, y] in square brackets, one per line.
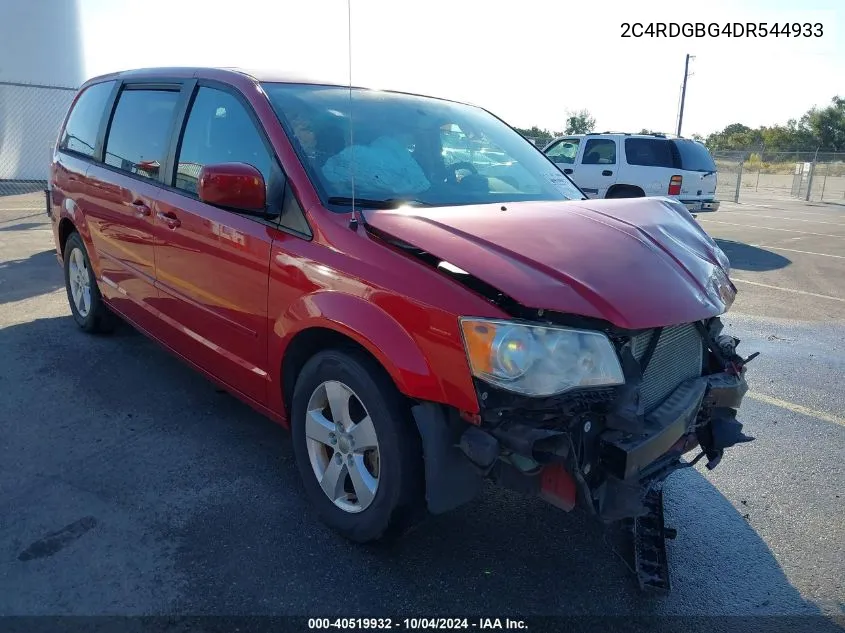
[792, 211]
[775, 217]
[769, 228]
[797, 408]
[795, 250]
[792, 290]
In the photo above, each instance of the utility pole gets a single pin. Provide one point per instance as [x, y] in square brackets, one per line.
[684, 92]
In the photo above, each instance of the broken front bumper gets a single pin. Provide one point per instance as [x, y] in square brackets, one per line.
[594, 447]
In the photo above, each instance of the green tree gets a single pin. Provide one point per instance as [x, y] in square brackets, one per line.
[540, 135]
[827, 125]
[579, 122]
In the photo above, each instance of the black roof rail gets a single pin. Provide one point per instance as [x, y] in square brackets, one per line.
[655, 134]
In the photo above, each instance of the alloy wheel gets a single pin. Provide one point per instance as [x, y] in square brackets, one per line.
[342, 446]
[79, 278]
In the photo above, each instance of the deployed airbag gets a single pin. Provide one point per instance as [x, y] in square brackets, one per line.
[380, 169]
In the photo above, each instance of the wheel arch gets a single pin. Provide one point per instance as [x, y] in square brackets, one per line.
[638, 192]
[310, 341]
[66, 227]
[329, 319]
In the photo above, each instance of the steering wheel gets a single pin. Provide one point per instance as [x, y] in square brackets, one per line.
[461, 165]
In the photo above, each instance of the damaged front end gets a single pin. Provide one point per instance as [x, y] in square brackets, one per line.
[607, 449]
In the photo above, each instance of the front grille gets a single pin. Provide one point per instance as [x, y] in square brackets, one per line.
[677, 357]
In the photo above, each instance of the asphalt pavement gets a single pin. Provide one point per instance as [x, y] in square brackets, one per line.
[130, 485]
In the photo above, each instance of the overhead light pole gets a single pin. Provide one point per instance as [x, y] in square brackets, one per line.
[684, 92]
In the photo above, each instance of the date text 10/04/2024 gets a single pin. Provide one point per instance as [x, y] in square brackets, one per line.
[417, 623]
[728, 29]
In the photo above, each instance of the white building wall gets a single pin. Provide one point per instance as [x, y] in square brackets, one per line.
[41, 48]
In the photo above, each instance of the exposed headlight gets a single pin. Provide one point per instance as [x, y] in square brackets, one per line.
[538, 360]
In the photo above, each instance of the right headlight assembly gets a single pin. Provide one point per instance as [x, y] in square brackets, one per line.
[539, 360]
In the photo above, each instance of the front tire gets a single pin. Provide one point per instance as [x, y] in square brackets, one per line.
[86, 303]
[356, 446]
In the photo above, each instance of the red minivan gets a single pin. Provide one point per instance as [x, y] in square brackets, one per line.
[410, 286]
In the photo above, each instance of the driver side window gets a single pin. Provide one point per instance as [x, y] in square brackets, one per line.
[218, 130]
[564, 152]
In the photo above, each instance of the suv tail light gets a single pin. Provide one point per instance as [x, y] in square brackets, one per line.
[675, 185]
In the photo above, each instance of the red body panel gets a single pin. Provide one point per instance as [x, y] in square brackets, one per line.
[229, 293]
[212, 283]
[638, 262]
[404, 313]
[120, 212]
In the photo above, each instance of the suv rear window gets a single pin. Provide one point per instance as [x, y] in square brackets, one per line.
[672, 153]
[80, 133]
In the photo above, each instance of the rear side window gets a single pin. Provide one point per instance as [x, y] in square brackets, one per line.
[140, 131]
[650, 152]
[80, 133]
[564, 151]
[219, 130]
[599, 151]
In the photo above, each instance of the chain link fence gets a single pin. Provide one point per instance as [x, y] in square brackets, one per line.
[810, 176]
[30, 117]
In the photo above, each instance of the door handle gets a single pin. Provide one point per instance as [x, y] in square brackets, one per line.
[607, 172]
[141, 208]
[568, 170]
[169, 219]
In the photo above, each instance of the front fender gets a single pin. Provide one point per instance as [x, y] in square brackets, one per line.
[372, 327]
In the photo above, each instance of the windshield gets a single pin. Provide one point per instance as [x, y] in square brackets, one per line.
[406, 147]
[694, 156]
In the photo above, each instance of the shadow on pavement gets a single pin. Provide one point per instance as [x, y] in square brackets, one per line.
[746, 257]
[30, 277]
[191, 504]
[19, 187]
[23, 226]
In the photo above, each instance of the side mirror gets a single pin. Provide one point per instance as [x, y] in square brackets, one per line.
[233, 185]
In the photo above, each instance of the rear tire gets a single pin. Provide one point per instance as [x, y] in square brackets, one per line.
[86, 303]
[384, 495]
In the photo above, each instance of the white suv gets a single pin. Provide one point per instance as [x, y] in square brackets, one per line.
[616, 165]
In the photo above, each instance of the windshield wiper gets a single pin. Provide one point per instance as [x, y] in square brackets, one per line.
[389, 203]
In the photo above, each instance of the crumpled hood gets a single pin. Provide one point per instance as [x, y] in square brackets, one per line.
[637, 262]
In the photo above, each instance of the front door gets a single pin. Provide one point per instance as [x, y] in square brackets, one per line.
[563, 154]
[213, 264]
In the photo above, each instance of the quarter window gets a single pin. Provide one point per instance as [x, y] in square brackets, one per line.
[650, 152]
[219, 130]
[599, 151]
[140, 131]
[80, 134]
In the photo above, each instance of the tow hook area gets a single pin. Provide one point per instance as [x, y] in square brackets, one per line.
[649, 533]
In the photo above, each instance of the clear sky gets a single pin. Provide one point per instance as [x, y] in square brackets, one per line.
[528, 61]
